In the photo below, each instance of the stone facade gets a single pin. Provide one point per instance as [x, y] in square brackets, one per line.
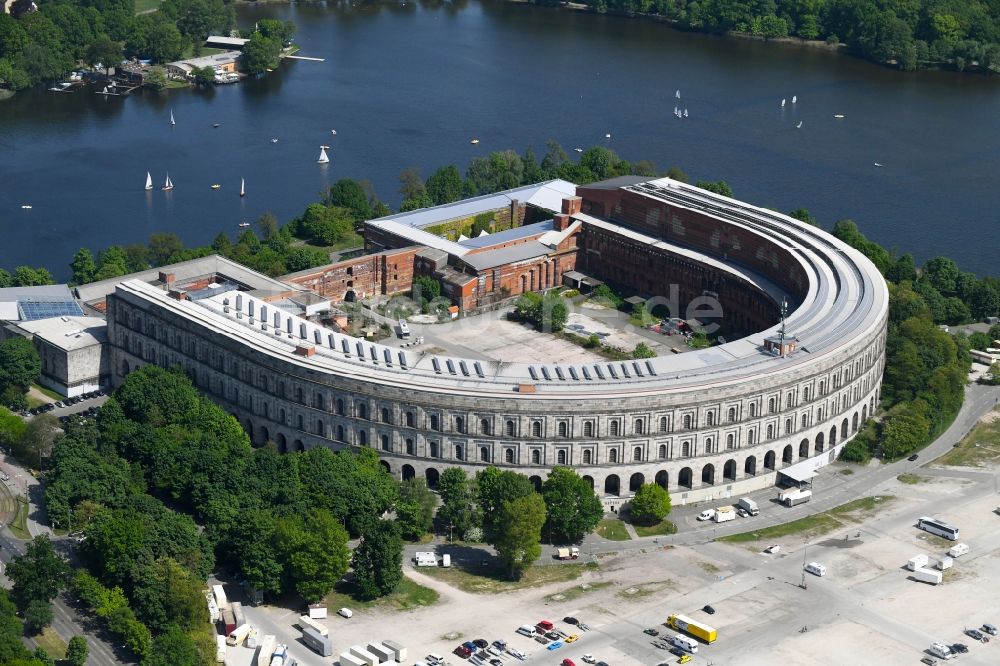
[383, 274]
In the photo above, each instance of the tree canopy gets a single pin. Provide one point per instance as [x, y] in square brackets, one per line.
[572, 508]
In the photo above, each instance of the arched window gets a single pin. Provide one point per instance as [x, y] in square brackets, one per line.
[385, 442]
[637, 454]
[637, 427]
[613, 428]
[536, 457]
[770, 406]
[805, 393]
[340, 406]
[410, 419]
[709, 445]
[770, 431]
[730, 441]
[459, 424]
[298, 421]
[458, 452]
[663, 424]
[750, 437]
[753, 409]
[613, 455]
[409, 447]
[588, 429]
[340, 434]
[790, 399]
[434, 449]
[536, 428]
[822, 388]
[562, 429]
[318, 401]
[710, 418]
[788, 425]
[362, 438]
[687, 421]
[484, 453]
[362, 411]
[434, 423]
[805, 420]
[484, 426]
[508, 455]
[298, 396]
[686, 449]
[732, 414]
[385, 415]
[560, 457]
[588, 457]
[662, 452]
[510, 428]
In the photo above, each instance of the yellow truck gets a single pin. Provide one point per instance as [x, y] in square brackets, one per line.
[693, 627]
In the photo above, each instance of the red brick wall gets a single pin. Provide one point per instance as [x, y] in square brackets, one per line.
[386, 274]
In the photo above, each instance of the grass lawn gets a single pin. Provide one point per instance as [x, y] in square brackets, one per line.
[19, 526]
[490, 580]
[351, 242]
[911, 479]
[660, 529]
[49, 392]
[819, 524]
[146, 5]
[979, 448]
[577, 591]
[612, 530]
[409, 594]
[49, 641]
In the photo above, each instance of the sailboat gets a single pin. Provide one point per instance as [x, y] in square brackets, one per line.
[244, 223]
[243, 187]
[677, 94]
[782, 102]
[172, 117]
[149, 181]
[794, 99]
[168, 186]
[799, 126]
[323, 159]
[685, 113]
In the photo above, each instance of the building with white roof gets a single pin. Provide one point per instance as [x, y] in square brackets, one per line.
[73, 351]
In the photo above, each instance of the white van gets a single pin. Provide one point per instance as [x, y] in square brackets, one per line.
[526, 630]
[959, 549]
[685, 643]
[816, 569]
[345, 612]
[707, 514]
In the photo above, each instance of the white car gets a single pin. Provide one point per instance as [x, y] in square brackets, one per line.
[589, 658]
[707, 514]
[517, 654]
[345, 612]
[772, 549]
[816, 569]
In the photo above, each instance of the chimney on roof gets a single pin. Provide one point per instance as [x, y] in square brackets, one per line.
[572, 205]
[305, 349]
[178, 294]
[166, 278]
[561, 221]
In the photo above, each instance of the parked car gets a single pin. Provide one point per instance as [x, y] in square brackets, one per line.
[709, 610]
[588, 658]
[541, 639]
[496, 662]
[707, 514]
[913, 457]
[554, 645]
[568, 662]
[960, 648]
[651, 632]
[481, 643]
[989, 629]
[771, 550]
[553, 635]
[684, 659]
[572, 638]
[462, 652]
[571, 620]
[930, 661]
[974, 634]
[500, 644]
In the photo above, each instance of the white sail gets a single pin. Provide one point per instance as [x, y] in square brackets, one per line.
[168, 185]
[782, 101]
[323, 159]
[149, 181]
[172, 117]
[794, 99]
[677, 94]
[243, 187]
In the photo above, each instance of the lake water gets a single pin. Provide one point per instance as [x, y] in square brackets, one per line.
[409, 85]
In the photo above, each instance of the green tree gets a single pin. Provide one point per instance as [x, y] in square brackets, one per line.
[445, 185]
[352, 486]
[426, 289]
[283, 31]
[495, 488]
[26, 276]
[37, 439]
[20, 364]
[204, 76]
[572, 507]
[458, 511]
[77, 651]
[415, 508]
[174, 648]
[378, 560]
[37, 575]
[164, 42]
[718, 187]
[156, 78]
[315, 551]
[37, 616]
[261, 53]
[83, 266]
[519, 532]
[650, 505]
[642, 350]
[326, 225]
[104, 51]
[349, 194]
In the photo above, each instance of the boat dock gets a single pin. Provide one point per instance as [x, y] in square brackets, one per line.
[298, 57]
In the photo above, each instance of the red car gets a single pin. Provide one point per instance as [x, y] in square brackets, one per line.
[544, 626]
[568, 662]
[462, 651]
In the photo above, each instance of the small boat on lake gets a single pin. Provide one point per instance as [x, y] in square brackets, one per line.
[794, 99]
[799, 126]
[323, 158]
[26, 206]
[838, 116]
[474, 142]
[172, 121]
[243, 187]
[168, 186]
[215, 186]
[244, 224]
[877, 164]
[149, 181]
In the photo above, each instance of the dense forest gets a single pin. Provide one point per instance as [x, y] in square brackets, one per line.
[909, 34]
[45, 45]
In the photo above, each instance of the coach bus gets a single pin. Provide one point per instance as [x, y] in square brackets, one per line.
[938, 527]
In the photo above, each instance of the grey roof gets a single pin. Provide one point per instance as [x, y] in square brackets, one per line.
[548, 195]
[615, 183]
[69, 333]
[54, 292]
[213, 264]
[506, 255]
[509, 234]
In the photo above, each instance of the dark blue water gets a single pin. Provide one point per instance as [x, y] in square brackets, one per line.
[408, 86]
